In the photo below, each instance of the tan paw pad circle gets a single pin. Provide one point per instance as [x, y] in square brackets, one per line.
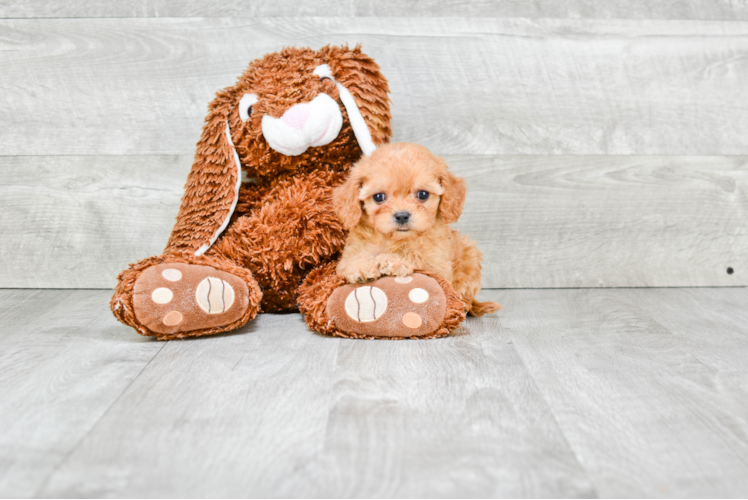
[172, 274]
[365, 304]
[214, 295]
[403, 279]
[418, 295]
[412, 320]
[172, 318]
[162, 295]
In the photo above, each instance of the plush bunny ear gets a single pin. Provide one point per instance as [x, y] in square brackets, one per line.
[362, 79]
[346, 203]
[212, 188]
[453, 198]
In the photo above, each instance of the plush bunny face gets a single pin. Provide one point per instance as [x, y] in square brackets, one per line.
[291, 112]
[288, 112]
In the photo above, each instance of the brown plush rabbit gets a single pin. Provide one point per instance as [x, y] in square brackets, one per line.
[257, 216]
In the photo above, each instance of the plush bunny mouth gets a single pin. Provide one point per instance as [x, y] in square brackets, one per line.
[305, 125]
[316, 123]
[289, 151]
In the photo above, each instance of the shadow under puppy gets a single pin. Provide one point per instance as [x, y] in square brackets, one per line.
[397, 205]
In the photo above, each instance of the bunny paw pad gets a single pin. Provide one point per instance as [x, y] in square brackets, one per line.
[410, 306]
[174, 298]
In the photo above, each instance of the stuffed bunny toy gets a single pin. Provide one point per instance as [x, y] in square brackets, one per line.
[256, 230]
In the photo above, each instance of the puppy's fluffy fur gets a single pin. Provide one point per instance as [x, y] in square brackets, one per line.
[392, 182]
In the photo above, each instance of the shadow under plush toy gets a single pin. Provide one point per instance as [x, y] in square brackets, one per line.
[294, 123]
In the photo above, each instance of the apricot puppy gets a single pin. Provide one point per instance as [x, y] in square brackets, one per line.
[397, 205]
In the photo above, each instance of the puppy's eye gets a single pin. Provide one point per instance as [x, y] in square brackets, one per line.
[422, 195]
[245, 106]
[379, 197]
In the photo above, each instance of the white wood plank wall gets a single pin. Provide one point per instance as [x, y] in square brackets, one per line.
[594, 9]
[605, 143]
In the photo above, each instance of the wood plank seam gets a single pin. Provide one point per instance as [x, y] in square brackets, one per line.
[88, 432]
[542, 396]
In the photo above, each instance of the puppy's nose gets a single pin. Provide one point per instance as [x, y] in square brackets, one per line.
[402, 217]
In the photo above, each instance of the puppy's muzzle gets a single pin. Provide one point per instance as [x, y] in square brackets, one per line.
[402, 218]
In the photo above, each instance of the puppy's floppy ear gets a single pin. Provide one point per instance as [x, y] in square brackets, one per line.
[453, 199]
[345, 200]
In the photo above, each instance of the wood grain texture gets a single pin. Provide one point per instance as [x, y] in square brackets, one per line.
[238, 410]
[607, 221]
[541, 221]
[459, 85]
[453, 418]
[276, 411]
[634, 9]
[649, 386]
[63, 362]
[609, 393]
[76, 222]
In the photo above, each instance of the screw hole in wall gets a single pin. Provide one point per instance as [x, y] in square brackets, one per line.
[730, 270]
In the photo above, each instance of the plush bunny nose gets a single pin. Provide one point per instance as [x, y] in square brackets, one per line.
[402, 217]
[297, 115]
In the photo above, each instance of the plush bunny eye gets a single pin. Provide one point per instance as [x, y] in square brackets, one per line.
[245, 106]
[379, 197]
[422, 195]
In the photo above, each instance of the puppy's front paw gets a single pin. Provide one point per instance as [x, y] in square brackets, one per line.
[394, 266]
[363, 272]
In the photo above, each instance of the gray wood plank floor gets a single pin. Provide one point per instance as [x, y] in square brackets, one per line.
[616, 392]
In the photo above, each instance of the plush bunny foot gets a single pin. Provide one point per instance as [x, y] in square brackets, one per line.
[170, 299]
[416, 306]
[411, 306]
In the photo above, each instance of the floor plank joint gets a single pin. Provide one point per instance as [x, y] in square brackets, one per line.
[565, 393]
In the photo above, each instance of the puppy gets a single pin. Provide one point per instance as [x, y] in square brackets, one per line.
[397, 205]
